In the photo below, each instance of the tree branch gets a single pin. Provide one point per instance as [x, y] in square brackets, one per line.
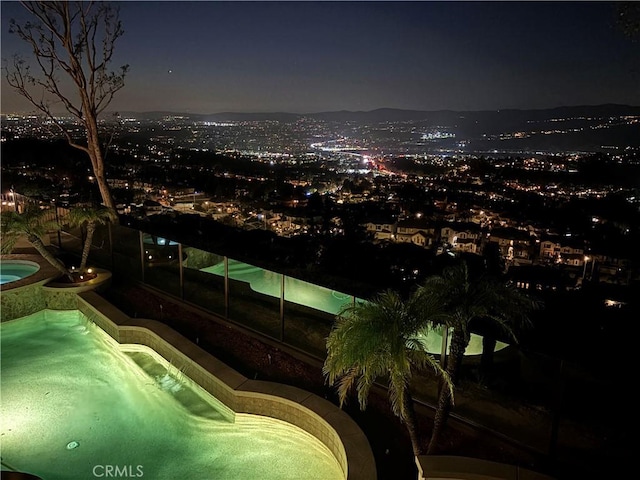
[77, 38]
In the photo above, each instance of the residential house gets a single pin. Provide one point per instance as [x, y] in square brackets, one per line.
[152, 207]
[467, 245]
[461, 236]
[609, 266]
[565, 250]
[418, 231]
[515, 244]
[381, 229]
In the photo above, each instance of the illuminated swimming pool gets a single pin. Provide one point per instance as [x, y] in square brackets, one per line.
[14, 270]
[295, 291]
[433, 343]
[76, 405]
[320, 298]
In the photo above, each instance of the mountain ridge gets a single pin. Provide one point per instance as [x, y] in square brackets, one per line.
[390, 114]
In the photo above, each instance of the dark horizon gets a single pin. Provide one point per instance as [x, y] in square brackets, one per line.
[324, 112]
[385, 109]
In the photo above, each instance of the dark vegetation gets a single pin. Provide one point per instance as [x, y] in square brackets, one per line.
[263, 360]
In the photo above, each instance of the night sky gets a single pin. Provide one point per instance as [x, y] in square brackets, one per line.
[303, 57]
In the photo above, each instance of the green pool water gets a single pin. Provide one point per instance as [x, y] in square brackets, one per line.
[433, 343]
[295, 291]
[76, 405]
[319, 298]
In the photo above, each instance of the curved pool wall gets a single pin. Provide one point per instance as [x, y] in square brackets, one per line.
[27, 295]
[317, 416]
[14, 270]
[74, 400]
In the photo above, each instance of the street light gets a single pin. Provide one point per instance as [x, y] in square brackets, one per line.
[584, 270]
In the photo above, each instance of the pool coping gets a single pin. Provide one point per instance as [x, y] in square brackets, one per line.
[319, 417]
[45, 273]
[102, 280]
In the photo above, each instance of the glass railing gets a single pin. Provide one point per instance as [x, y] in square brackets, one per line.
[100, 252]
[161, 264]
[501, 390]
[254, 297]
[126, 252]
[201, 287]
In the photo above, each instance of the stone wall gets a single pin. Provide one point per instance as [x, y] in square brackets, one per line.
[22, 301]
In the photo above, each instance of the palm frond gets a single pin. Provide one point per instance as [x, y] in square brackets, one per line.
[32, 222]
[345, 385]
[97, 215]
[378, 339]
[397, 390]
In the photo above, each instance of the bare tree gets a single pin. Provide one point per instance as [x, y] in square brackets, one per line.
[628, 16]
[76, 39]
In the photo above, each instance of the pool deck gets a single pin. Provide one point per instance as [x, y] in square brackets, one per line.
[332, 426]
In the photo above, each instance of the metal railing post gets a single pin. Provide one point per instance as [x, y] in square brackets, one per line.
[226, 287]
[140, 234]
[443, 351]
[282, 277]
[181, 271]
[110, 233]
[59, 227]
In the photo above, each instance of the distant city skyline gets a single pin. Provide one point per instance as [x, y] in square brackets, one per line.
[306, 57]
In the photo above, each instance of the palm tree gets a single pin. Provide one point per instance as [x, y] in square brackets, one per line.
[9, 238]
[90, 217]
[463, 300]
[375, 339]
[34, 224]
